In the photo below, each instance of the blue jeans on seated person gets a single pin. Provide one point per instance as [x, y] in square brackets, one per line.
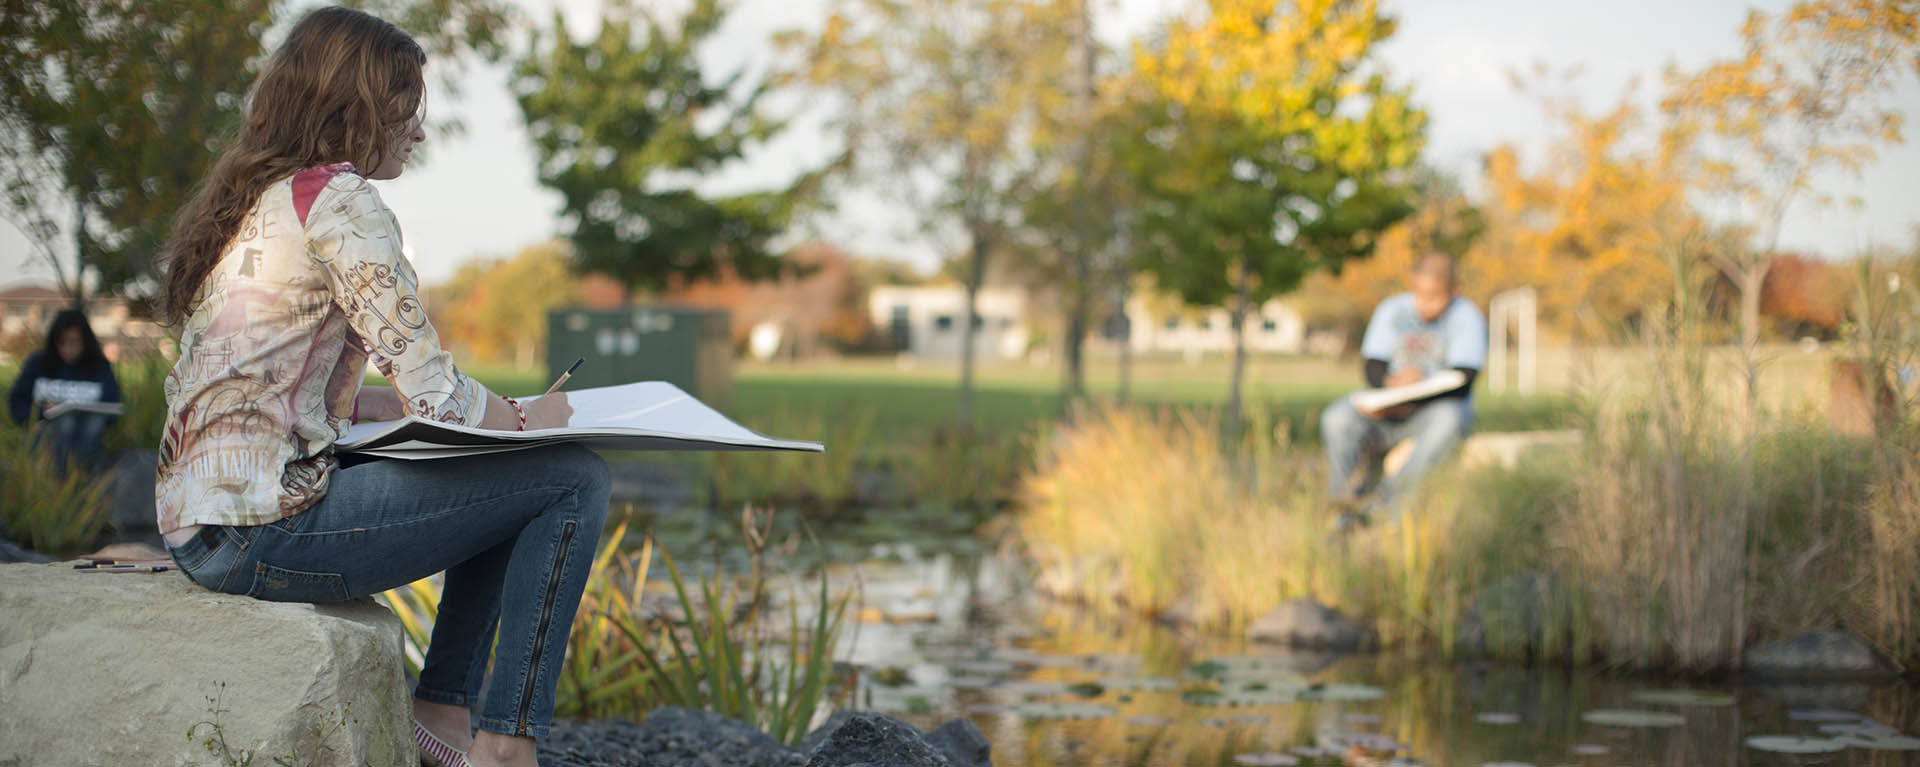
[515, 533]
[73, 439]
[1349, 437]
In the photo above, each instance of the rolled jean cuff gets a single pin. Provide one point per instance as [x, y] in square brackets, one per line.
[463, 700]
[501, 727]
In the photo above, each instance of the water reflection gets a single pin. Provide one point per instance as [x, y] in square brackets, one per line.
[954, 630]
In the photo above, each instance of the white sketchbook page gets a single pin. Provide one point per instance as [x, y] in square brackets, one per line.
[108, 408]
[650, 415]
[1380, 399]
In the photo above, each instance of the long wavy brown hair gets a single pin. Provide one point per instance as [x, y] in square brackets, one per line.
[342, 88]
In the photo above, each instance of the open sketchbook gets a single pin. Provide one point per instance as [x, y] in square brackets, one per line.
[651, 415]
[1381, 399]
[106, 408]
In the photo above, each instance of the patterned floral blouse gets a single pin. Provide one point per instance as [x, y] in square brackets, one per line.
[272, 355]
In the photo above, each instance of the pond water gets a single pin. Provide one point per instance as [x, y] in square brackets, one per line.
[949, 628]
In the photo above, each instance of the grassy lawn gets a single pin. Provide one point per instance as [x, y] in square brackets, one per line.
[906, 401]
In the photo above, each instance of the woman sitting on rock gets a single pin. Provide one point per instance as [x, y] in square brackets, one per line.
[61, 391]
[285, 276]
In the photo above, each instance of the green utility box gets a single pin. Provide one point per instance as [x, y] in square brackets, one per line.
[689, 348]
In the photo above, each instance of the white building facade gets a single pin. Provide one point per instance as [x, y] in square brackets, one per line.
[926, 321]
[1275, 329]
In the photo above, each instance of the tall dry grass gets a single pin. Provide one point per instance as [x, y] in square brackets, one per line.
[1647, 547]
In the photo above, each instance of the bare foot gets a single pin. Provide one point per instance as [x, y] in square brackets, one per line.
[491, 749]
[451, 724]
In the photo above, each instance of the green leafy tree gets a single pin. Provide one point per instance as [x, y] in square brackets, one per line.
[110, 112]
[1272, 145]
[624, 122]
[940, 101]
[496, 310]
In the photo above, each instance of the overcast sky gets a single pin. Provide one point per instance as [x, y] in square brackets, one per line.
[475, 196]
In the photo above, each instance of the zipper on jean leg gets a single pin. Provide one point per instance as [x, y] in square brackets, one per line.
[540, 638]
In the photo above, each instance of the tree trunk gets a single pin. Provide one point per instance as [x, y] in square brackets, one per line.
[1082, 288]
[1126, 349]
[1751, 280]
[976, 274]
[1242, 289]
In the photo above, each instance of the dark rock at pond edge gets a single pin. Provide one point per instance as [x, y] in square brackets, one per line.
[1510, 616]
[1305, 623]
[962, 743]
[9, 552]
[670, 737]
[1819, 654]
[131, 517]
[868, 738]
[607, 743]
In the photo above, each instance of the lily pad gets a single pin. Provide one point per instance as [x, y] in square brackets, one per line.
[1682, 698]
[1615, 717]
[1063, 710]
[1148, 720]
[1497, 717]
[1032, 687]
[1266, 758]
[1866, 728]
[1795, 744]
[1365, 741]
[1823, 715]
[966, 682]
[982, 667]
[1242, 697]
[1136, 683]
[1343, 693]
[1886, 743]
[1087, 689]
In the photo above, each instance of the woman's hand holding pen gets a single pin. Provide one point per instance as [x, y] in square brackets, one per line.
[548, 411]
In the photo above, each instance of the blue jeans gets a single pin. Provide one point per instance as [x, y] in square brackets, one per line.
[515, 533]
[73, 439]
[1349, 438]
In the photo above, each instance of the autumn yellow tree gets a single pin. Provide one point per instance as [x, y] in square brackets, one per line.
[1807, 96]
[1588, 226]
[496, 310]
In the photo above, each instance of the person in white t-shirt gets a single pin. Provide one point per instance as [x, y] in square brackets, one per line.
[1412, 336]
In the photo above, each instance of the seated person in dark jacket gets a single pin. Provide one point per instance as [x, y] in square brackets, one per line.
[1412, 336]
[69, 370]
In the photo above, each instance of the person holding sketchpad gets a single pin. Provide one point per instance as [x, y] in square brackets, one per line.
[1422, 350]
[67, 393]
[284, 276]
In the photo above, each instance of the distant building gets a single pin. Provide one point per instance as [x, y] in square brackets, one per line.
[1275, 329]
[26, 309]
[926, 321]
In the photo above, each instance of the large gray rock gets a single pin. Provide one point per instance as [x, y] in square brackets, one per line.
[876, 739]
[1825, 653]
[1305, 623]
[682, 737]
[116, 668]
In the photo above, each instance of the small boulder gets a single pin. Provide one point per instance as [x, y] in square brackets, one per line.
[962, 743]
[1823, 653]
[1309, 624]
[684, 737]
[877, 739]
[604, 743]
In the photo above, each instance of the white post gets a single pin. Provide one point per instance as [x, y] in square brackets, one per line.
[1521, 308]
